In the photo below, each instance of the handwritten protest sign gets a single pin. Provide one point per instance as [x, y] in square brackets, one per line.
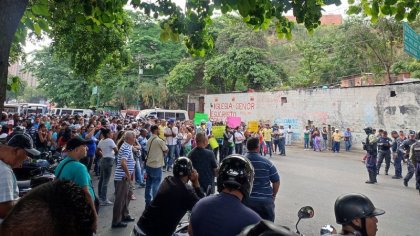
[218, 131]
[253, 126]
[233, 121]
[198, 117]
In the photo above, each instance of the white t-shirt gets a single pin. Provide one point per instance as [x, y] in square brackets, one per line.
[170, 140]
[9, 190]
[107, 147]
[239, 136]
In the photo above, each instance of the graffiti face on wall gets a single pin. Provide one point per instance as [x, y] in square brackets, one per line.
[400, 112]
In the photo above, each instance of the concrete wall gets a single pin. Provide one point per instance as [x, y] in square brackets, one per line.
[353, 108]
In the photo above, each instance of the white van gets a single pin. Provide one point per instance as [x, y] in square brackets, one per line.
[158, 113]
[71, 111]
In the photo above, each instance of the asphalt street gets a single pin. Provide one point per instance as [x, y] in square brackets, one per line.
[317, 179]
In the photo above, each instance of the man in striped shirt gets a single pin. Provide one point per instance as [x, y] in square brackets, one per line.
[123, 171]
[266, 182]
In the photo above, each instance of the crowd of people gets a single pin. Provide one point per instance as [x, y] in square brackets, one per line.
[137, 153]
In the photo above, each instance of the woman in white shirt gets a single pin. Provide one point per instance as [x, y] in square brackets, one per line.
[107, 149]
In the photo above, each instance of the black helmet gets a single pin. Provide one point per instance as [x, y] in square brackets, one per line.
[368, 130]
[182, 167]
[236, 172]
[353, 206]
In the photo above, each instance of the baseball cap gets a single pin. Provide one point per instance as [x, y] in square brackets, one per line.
[23, 140]
[412, 132]
[171, 120]
[76, 142]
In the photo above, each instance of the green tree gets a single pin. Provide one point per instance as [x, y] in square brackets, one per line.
[58, 80]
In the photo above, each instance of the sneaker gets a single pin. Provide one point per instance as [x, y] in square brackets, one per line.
[405, 183]
[105, 203]
[141, 185]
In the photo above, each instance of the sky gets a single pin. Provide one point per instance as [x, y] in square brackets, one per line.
[333, 9]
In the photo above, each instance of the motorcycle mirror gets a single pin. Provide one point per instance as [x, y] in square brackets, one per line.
[306, 212]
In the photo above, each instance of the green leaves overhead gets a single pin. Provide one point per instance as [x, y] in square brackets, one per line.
[194, 22]
[375, 9]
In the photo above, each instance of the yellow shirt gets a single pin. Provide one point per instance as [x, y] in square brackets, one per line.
[162, 132]
[267, 134]
[337, 137]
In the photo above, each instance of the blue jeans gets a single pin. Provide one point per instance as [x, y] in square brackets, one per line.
[282, 146]
[336, 146]
[169, 159]
[106, 170]
[139, 171]
[154, 176]
[264, 208]
[324, 144]
[397, 164]
[306, 143]
[269, 148]
[348, 145]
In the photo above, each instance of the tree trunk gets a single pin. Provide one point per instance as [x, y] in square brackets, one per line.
[11, 11]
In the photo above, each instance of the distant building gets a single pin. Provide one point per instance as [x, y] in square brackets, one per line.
[332, 19]
[368, 79]
[17, 70]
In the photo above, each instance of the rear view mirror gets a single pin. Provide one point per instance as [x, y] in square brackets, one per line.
[306, 212]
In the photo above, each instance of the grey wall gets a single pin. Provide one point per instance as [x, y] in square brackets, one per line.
[353, 108]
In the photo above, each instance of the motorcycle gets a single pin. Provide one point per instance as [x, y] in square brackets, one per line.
[261, 227]
[36, 171]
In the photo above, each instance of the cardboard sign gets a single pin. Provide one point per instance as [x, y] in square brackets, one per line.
[198, 117]
[218, 131]
[253, 126]
[233, 121]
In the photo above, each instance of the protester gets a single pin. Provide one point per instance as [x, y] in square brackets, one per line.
[336, 137]
[204, 161]
[156, 151]
[173, 199]
[107, 149]
[71, 169]
[266, 182]
[122, 179]
[348, 139]
[224, 213]
[12, 156]
[54, 208]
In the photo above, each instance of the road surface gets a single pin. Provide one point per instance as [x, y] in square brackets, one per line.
[317, 179]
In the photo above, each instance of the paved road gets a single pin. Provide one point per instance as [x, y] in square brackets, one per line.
[316, 179]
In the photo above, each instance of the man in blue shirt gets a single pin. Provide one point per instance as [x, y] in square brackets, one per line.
[266, 182]
[224, 214]
[71, 169]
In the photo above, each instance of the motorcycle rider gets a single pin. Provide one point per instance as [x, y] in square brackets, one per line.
[357, 215]
[371, 149]
[224, 213]
[384, 152]
[173, 199]
[415, 161]
[405, 148]
[12, 156]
